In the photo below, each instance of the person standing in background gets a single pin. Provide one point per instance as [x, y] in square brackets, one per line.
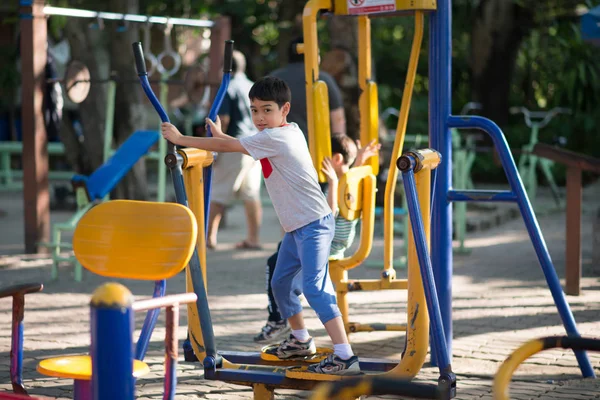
[236, 174]
[293, 75]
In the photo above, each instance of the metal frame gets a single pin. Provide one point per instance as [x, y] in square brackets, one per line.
[18, 293]
[532, 347]
[440, 122]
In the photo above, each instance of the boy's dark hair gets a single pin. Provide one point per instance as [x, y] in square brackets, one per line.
[344, 145]
[293, 56]
[270, 88]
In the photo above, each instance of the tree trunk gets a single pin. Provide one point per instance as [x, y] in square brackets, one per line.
[497, 33]
[88, 46]
[128, 105]
[342, 63]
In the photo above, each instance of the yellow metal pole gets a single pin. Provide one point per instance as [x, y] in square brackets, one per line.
[368, 106]
[193, 161]
[311, 74]
[417, 327]
[390, 187]
[510, 365]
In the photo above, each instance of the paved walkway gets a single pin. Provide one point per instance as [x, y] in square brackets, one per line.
[500, 301]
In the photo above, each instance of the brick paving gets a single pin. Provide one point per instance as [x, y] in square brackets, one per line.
[500, 301]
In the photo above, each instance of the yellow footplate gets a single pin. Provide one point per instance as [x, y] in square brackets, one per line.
[321, 354]
[302, 373]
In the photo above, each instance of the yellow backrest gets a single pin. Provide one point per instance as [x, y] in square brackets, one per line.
[356, 198]
[135, 239]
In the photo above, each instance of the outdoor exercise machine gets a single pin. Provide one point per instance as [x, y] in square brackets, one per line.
[252, 369]
[318, 124]
[509, 366]
[441, 121]
[111, 240]
[33, 28]
[529, 162]
[126, 239]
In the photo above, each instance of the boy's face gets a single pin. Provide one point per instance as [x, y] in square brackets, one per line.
[267, 114]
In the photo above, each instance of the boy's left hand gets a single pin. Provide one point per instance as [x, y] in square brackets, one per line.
[328, 170]
[170, 132]
[364, 153]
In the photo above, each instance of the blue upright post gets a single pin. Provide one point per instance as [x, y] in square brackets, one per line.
[160, 287]
[440, 104]
[213, 113]
[111, 323]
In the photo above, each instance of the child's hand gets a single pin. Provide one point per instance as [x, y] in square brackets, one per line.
[328, 170]
[364, 153]
[170, 132]
[215, 127]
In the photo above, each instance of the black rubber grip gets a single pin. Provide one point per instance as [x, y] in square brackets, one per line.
[140, 63]
[228, 60]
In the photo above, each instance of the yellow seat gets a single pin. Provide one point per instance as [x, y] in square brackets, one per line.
[135, 239]
[131, 240]
[80, 367]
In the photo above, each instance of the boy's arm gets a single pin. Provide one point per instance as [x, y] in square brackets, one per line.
[332, 181]
[218, 144]
[364, 153]
[225, 144]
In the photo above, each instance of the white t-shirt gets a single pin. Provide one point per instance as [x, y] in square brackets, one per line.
[290, 176]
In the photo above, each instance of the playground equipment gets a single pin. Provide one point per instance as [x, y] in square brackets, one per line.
[318, 126]
[576, 163]
[124, 239]
[18, 293]
[440, 122]
[509, 366]
[90, 190]
[251, 368]
[528, 162]
[353, 388]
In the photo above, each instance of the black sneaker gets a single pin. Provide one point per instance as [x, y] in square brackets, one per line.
[334, 365]
[272, 332]
[293, 348]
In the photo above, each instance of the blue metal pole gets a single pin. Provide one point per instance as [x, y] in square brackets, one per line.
[174, 162]
[433, 305]
[214, 111]
[111, 323]
[533, 228]
[141, 346]
[440, 104]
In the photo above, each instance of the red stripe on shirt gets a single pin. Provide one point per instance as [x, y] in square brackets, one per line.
[267, 168]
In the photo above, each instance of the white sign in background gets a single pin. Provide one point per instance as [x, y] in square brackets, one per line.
[370, 6]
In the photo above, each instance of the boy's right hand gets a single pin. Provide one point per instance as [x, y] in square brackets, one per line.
[170, 132]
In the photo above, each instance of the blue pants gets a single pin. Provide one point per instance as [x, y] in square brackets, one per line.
[303, 267]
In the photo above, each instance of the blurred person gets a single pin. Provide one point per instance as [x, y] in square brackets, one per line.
[236, 174]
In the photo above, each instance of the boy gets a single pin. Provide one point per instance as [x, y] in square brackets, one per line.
[344, 153]
[304, 214]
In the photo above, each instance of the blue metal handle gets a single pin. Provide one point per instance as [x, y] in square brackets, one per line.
[140, 65]
[173, 161]
[214, 111]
